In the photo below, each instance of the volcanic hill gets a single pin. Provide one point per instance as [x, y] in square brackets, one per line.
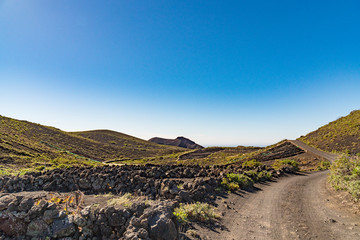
[179, 142]
[26, 143]
[342, 135]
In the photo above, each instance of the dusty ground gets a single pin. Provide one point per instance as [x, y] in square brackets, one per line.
[295, 207]
[300, 206]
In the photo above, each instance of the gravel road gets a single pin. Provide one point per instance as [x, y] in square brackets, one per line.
[295, 207]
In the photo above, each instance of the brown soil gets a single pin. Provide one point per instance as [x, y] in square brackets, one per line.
[295, 207]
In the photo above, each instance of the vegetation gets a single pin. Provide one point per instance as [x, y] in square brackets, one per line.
[229, 186]
[125, 200]
[234, 181]
[259, 176]
[345, 175]
[280, 164]
[342, 135]
[251, 164]
[323, 165]
[26, 146]
[202, 212]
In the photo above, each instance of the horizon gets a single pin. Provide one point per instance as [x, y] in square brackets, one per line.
[246, 145]
[221, 74]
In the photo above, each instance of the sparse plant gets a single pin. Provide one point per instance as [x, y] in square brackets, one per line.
[40, 168]
[323, 165]
[229, 186]
[251, 164]
[234, 181]
[286, 163]
[202, 212]
[345, 175]
[125, 200]
[192, 233]
[254, 175]
[264, 175]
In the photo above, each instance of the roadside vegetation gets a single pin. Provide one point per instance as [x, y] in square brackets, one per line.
[201, 212]
[292, 165]
[345, 175]
[233, 182]
[323, 165]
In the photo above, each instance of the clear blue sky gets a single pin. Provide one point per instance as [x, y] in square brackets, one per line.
[218, 72]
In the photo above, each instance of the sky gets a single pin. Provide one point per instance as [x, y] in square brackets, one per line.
[222, 73]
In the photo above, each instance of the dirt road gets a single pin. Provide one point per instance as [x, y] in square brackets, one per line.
[329, 156]
[295, 207]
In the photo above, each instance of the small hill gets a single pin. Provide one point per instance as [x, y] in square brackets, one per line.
[342, 135]
[179, 142]
[30, 144]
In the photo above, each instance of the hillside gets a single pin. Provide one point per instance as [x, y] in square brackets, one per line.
[30, 144]
[342, 135]
[179, 142]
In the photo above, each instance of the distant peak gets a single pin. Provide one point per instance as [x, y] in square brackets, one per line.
[179, 142]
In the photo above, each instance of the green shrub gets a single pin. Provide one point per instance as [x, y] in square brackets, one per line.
[345, 175]
[63, 166]
[323, 165]
[251, 164]
[40, 168]
[259, 176]
[201, 212]
[354, 189]
[229, 186]
[280, 164]
[264, 175]
[253, 175]
[356, 171]
[241, 179]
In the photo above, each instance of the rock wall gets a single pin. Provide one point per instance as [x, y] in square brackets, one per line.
[24, 217]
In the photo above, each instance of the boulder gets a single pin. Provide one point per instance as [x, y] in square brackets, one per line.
[5, 201]
[63, 228]
[38, 228]
[162, 227]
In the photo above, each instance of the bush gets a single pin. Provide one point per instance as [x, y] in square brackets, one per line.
[229, 186]
[251, 164]
[241, 179]
[254, 175]
[345, 175]
[264, 175]
[201, 212]
[286, 163]
[323, 165]
[356, 171]
[259, 176]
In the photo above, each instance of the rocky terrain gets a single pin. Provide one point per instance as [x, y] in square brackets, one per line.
[63, 203]
[70, 188]
[178, 142]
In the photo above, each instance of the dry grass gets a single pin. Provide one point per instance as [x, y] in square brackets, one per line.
[341, 135]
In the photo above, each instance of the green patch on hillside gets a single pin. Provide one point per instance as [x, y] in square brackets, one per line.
[20, 139]
[341, 135]
[345, 175]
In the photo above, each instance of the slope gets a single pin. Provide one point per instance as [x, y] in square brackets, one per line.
[23, 142]
[342, 135]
